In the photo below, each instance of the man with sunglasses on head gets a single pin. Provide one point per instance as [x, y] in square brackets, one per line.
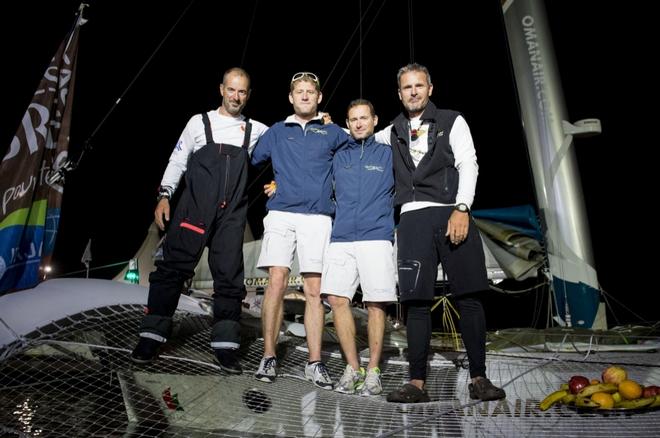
[435, 170]
[301, 149]
[213, 152]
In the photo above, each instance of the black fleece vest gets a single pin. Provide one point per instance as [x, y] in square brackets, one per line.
[435, 179]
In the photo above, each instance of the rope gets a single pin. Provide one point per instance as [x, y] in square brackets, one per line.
[514, 292]
[447, 319]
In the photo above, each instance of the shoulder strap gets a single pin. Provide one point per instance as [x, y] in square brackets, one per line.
[248, 131]
[207, 128]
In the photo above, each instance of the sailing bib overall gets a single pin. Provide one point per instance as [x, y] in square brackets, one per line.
[212, 212]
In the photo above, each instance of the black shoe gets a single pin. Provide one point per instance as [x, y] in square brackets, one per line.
[408, 393]
[146, 350]
[228, 360]
[484, 390]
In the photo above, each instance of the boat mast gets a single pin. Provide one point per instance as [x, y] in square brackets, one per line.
[557, 181]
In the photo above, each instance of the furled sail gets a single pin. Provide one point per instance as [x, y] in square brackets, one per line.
[30, 180]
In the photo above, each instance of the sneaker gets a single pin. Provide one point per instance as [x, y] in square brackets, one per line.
[228, 360]
[350, 381]
[317, 373]
[371, 384]
[266, 371]
[146, 350]
[484, 390]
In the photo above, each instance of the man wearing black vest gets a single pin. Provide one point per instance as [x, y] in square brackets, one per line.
[435, 169]
[213, 152]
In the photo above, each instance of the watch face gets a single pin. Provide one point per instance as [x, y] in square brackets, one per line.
[462, 208]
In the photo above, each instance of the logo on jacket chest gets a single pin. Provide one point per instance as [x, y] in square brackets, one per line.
[318, 131]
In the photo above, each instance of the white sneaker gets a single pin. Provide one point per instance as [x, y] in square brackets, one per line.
[350, 380]
[317, 373]
[371, 384]
[267, 369]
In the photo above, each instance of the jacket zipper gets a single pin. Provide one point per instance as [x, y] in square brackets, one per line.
[223, 204]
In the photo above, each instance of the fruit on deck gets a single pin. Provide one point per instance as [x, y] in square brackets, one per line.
[587, 391]
[576, 383]
[614, 374]
[604, 399]
[552, 399]
[630, 390]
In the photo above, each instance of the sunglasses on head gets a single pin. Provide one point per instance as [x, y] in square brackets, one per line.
[302, 74]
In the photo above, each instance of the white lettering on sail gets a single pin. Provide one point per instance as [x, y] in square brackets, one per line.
[17, 192]
[42, 115]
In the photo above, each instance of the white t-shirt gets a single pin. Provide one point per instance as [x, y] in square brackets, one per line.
[465, 158]
[224, 129]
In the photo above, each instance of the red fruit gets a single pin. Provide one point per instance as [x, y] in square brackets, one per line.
[614, 374]
[576, 383]
[651, 391]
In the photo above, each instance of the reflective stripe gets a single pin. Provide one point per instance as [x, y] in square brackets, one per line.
[231, 345]
[192, 227]
[153, 336]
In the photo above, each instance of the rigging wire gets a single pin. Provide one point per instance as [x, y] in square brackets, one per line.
[343, 50]
[607, 295]
[332, 70]
[87, 145]
[249, 32]
[411, 32]
[373, 21]
[360, 25]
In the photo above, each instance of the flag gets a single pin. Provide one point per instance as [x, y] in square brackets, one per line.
[30, 197]
[87, 255]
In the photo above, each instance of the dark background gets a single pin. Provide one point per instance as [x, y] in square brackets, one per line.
[604, 53]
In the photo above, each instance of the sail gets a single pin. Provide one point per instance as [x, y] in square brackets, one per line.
[556, 178]
[31, 190]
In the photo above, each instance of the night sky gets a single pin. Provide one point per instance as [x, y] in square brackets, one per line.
[603, 53]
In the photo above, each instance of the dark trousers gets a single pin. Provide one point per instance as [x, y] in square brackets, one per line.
[473, 330]
[182, 250]
[212, 212]
[422, 245]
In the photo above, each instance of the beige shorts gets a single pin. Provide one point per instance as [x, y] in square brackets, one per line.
[369, 263]
[287, 233]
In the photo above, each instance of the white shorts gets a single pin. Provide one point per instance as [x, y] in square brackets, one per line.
[286, 233]
[369, 263]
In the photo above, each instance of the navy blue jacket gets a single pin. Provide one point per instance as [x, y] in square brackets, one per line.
[302, 164]
[364, 190]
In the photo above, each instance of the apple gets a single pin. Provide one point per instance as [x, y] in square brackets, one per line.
[614, 375]
[576, 383]
[651, 391]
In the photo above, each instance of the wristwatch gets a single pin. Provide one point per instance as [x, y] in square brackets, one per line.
[463, 208]
[163, 193]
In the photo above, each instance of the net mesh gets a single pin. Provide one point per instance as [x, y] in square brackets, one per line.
[74, 377]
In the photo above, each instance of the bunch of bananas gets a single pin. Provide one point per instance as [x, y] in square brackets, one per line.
[597, 396]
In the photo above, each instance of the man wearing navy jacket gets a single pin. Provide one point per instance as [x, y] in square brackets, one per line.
[299, 219]
[361, 250]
